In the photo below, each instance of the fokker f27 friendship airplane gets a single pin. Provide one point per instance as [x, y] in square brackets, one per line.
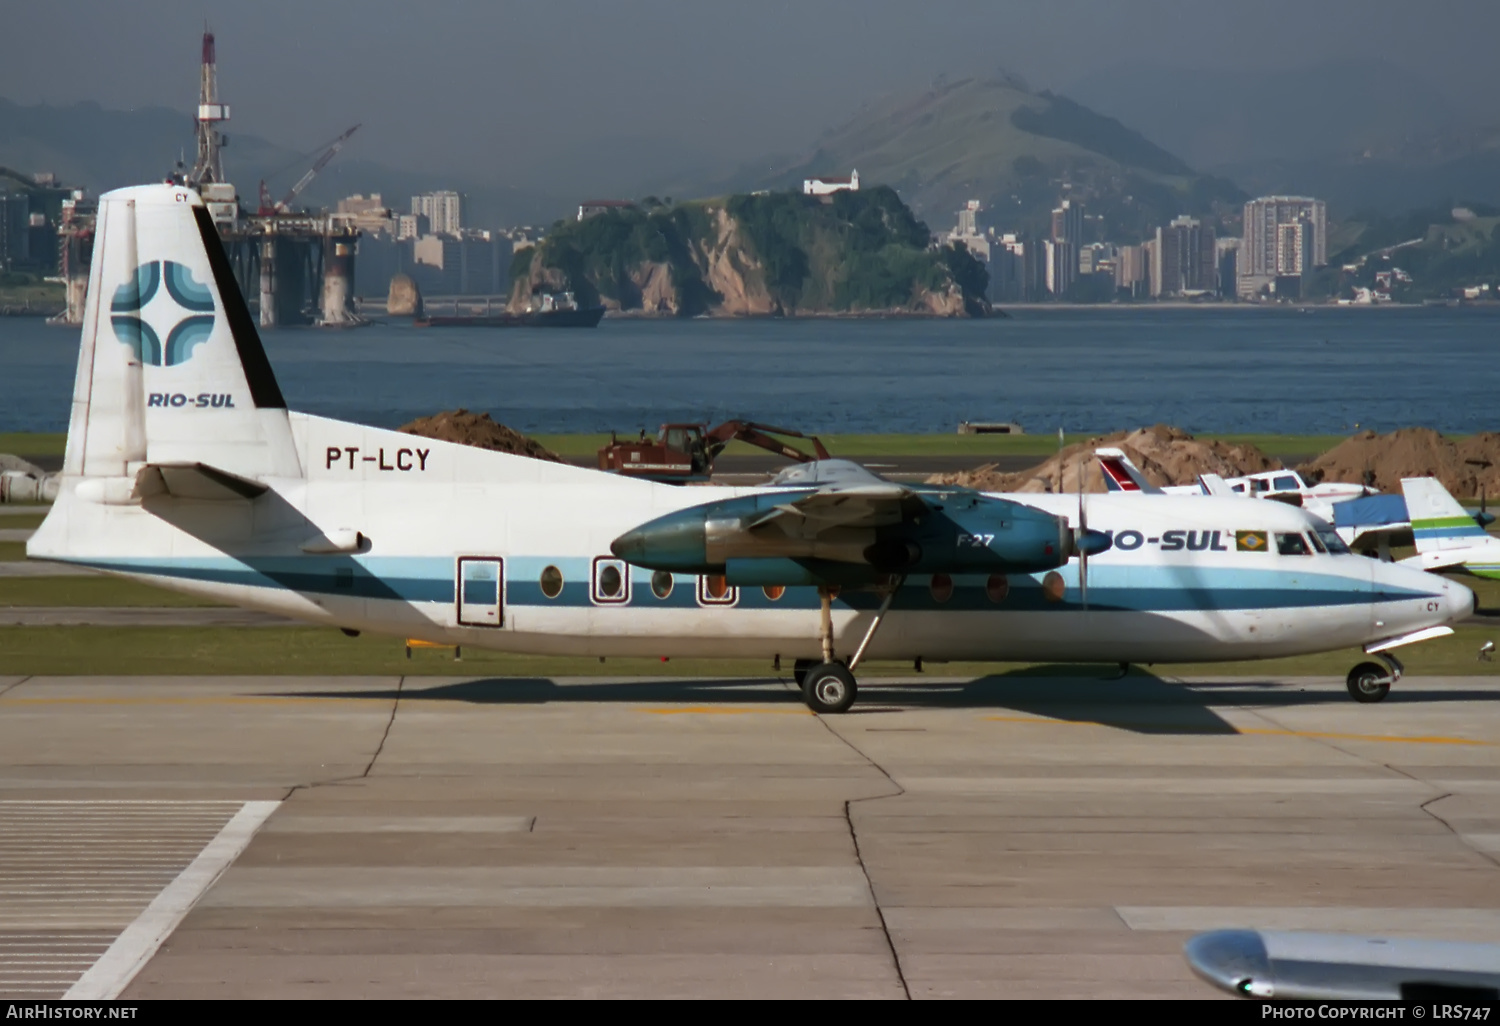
[185, 469]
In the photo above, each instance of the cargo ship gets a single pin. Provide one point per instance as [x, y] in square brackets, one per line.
[547, 311]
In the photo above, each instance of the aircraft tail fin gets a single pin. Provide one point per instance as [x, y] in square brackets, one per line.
[1438, 522]
[1121, 475]
[1214, 484]
[170, 369]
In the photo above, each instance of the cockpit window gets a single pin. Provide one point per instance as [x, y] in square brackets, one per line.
[1292, 545]
[1285, 483]
[1317, 542]
[1331, 540]
[1258, 484]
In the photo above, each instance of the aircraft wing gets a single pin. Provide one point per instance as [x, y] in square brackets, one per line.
[1323, 966]
[194, 481]
[876, 505]
[844, 495]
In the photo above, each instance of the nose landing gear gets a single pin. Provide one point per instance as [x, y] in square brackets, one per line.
[1371, 682]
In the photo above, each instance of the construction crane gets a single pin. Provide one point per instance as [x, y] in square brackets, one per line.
[284, 204]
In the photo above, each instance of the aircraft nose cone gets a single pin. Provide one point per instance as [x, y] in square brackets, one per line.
[1091, 543]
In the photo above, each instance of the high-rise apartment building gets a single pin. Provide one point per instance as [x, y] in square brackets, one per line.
[1067, 223]
[1062, 266]
[1132, 272]
[1184, 259]
[443, 210]
[1267, 252]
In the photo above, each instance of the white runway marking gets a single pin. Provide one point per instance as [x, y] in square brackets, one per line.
[90, 889]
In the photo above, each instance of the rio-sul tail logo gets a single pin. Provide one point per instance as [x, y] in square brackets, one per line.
[162, 313]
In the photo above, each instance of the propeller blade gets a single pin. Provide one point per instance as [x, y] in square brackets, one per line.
[1083, 532]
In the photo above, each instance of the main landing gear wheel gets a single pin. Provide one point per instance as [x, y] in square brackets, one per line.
[1370, 682]
[800, 668]
[829, 688]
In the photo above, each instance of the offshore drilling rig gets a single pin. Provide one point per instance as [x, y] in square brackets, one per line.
[293, 268]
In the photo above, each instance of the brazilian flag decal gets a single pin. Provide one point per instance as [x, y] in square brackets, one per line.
[1250, 541]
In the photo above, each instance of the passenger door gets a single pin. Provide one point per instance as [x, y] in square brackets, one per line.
[481, 591]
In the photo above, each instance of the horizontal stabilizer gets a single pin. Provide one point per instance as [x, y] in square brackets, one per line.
[194, 481]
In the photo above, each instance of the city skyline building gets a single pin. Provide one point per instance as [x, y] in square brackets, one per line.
[443, 210]
[1267, 253]
[1061, 266]
[1184, 259]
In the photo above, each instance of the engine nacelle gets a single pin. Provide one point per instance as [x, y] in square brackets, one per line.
[761, 539]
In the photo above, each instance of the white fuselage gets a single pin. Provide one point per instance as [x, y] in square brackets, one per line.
[1185, 580]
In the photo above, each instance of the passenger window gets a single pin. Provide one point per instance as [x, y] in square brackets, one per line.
[552, 582]
[611, 581]
[1286, 484]
[1292, 545]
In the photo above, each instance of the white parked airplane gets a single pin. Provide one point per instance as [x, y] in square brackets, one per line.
[1448, 536]
[1377, 519]
[185, 469]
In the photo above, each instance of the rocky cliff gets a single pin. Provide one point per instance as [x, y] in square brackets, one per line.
[756, 255]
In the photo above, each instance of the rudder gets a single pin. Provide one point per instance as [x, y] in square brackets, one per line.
[171, 368]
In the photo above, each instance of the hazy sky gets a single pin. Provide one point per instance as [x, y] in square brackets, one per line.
[513, 88]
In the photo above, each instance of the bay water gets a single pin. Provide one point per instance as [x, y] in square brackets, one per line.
[1234, 369]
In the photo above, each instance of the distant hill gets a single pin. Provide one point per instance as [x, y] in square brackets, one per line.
[996, 141]
[88, 145]
[1219, 119]
[1360, 134]
[1405, 173]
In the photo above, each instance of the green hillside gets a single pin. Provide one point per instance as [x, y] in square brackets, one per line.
[1013, 149]
[772, 253]
[1437, 252]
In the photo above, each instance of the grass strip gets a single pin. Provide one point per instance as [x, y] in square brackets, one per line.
[91, 591]
[29, 443]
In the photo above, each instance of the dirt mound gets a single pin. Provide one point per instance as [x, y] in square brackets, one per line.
[1465, 467]
[1166, 455]
[478, 430]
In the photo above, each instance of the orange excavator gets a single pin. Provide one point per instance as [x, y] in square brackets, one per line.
[686, 452]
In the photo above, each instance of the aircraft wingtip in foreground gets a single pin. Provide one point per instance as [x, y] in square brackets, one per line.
[185, 468]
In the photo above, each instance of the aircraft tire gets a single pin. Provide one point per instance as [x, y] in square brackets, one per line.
[799, 670]
[829, 688]
[1369, 682]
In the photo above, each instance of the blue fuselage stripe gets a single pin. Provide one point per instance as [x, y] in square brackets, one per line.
[1162, 589]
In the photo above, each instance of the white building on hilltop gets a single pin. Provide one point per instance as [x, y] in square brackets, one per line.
[828, 186]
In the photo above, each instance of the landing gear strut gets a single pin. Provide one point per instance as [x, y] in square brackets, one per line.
[1371, 682]
[829, 686]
